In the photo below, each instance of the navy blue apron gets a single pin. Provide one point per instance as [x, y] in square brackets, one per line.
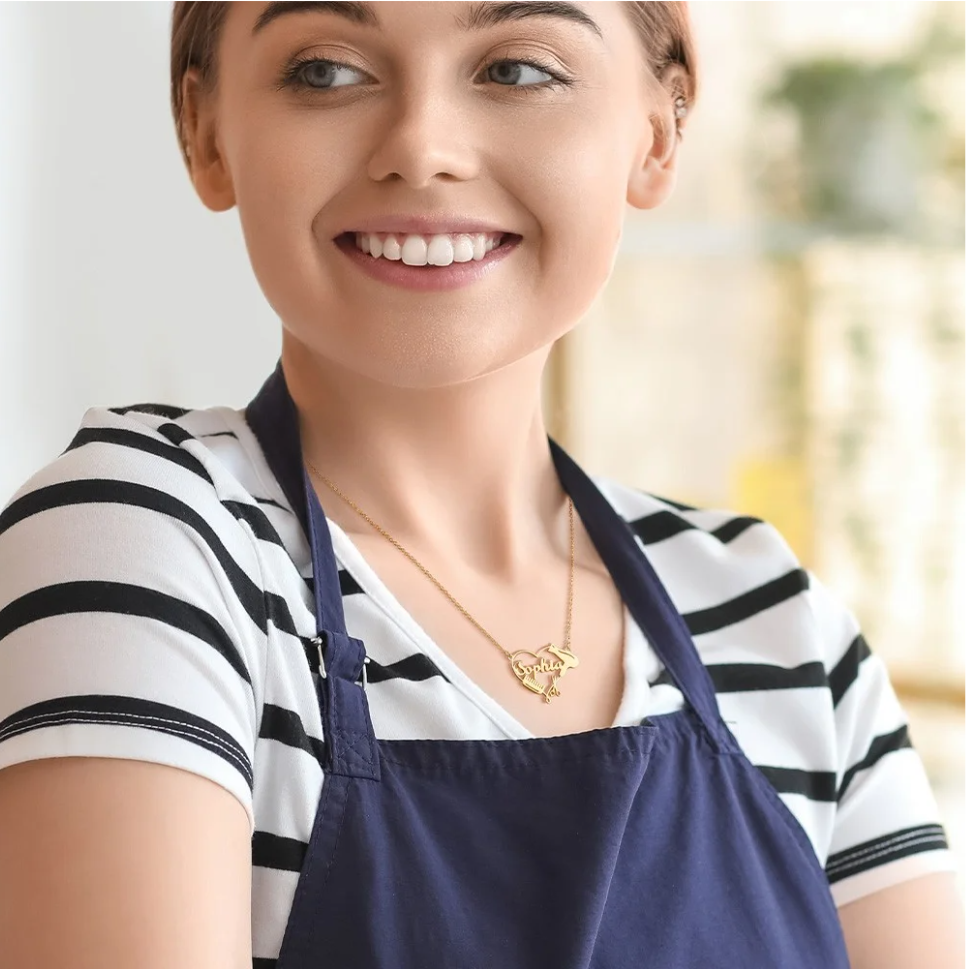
[658, 845]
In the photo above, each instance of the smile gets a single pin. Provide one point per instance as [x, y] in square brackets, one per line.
[427, 262]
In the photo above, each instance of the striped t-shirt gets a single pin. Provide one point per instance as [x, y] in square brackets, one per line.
[156, 604]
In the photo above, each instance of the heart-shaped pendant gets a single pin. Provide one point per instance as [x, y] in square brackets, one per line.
[540, 670]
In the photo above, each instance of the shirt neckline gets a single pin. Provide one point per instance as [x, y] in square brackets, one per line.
[634, 699]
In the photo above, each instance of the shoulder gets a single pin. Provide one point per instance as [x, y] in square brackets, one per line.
[184, 489]
[182, 461]
[713, 552]
[747, 599]
[209, 443]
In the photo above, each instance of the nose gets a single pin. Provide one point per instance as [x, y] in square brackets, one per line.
[423, 135]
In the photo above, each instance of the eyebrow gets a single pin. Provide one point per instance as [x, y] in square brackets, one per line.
[481, 15]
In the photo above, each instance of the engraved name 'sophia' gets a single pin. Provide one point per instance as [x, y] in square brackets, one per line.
[436, 250]
[565, 661]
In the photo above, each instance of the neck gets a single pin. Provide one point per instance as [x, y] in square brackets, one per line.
[463, 472]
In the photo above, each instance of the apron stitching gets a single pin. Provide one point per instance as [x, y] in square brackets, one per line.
[798, 834]
[338, 836]
[310, 857]
[349, 749]
[528, 765]
[349, 740]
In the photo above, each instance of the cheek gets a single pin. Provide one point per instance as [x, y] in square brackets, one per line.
[280, 184]
[578, 193]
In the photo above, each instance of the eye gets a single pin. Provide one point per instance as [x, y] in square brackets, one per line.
[314, 72]
[321, 74]
[512, 70]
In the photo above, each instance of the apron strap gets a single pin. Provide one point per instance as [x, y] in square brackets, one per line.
[644, 594]
[351, 744]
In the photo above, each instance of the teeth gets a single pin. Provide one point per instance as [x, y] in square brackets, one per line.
[464, 249]
[437, 250]
[415, 251]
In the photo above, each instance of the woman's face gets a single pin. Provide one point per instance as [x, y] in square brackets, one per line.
[426, 114]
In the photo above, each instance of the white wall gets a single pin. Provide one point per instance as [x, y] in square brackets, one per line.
[116, 284]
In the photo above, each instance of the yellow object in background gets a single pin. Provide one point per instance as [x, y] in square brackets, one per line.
[775, 488]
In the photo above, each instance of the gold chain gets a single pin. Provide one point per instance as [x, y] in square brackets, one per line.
[523, 672]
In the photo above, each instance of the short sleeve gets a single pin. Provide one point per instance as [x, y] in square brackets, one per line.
[887, 826]
[129, 610]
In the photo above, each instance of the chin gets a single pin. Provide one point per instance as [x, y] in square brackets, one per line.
[420, 362]
[422, 351]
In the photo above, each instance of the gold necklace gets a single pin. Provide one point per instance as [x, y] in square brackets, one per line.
[548, 663]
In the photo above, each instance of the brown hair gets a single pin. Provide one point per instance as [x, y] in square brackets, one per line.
[664, 30]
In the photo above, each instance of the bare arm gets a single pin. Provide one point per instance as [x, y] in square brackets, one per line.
[912, 925]
[113, 863]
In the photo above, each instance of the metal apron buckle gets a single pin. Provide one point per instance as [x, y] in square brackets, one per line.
[317, 642]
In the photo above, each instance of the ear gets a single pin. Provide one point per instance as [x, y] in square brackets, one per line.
[655, 175]
[206, 162]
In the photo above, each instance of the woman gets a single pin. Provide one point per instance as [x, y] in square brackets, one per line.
[431, 195]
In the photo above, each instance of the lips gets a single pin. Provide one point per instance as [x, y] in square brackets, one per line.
[427, 278]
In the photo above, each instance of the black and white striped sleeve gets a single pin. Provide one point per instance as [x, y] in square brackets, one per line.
[887, 825]
[129, 610]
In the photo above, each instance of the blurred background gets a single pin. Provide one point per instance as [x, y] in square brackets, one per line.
[784, 338]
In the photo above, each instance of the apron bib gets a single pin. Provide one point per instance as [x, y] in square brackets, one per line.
[658, 845]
